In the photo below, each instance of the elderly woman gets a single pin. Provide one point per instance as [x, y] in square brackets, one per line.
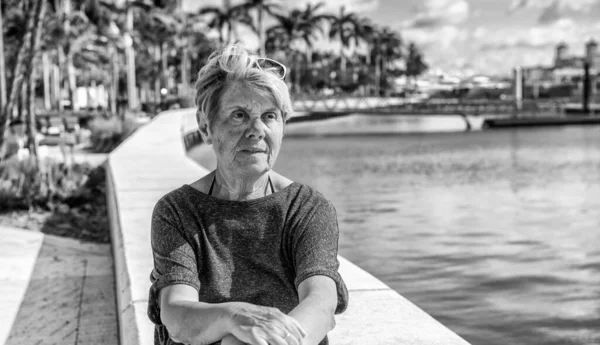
[244, 255]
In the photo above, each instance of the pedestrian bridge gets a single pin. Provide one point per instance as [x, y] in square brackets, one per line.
[311, 104]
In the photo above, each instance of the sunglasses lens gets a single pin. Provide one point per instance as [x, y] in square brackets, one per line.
[272, 65]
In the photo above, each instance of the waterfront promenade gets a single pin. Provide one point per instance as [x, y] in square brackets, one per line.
[60, 290]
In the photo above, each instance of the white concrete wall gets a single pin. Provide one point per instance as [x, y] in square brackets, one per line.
[153, 162]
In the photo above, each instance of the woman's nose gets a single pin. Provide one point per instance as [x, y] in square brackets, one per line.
[256, 129]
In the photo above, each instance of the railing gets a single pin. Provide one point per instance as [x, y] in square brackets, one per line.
[397, 105]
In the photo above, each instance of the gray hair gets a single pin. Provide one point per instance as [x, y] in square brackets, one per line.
[233, 64]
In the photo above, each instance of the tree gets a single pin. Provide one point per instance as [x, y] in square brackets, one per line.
[27, 53]
[301, 27]
[415, 65]
[311, 24]
[39, 11]
[2, 66]
[344, 27]
[225, 19]
[262, 6]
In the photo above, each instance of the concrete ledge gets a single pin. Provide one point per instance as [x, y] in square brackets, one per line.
[153, 162]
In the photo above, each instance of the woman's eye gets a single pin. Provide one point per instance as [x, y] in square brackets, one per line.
[270, 116]
[238, 115]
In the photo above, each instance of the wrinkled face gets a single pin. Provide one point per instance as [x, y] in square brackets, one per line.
[246, 134]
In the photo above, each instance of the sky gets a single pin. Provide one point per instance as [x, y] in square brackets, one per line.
[472, 36]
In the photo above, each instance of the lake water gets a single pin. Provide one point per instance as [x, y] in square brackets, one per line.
[496, 234]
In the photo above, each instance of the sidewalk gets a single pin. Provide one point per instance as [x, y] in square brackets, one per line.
[55, 290]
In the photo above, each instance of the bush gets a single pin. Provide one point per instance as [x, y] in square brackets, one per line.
[108, 133]
[25, 186]
[57, 199]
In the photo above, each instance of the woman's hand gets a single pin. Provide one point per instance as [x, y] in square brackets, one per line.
[258, 325]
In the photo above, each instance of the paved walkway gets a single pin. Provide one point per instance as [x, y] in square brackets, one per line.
[55, 290]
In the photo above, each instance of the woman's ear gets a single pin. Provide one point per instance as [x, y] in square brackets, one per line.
[204, 127]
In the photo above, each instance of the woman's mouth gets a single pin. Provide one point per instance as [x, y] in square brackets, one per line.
[252, 150]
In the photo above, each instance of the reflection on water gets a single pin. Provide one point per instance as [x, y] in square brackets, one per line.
[496, 234]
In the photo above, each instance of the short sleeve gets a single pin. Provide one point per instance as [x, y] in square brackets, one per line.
[315, 248]
[174, 257]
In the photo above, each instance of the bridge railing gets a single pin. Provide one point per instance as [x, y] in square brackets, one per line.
[309, 103]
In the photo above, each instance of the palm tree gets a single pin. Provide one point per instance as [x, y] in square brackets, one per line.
[225, 19]
[370, 34]
[391, 46]
[39, 11]
[262, 6]
[188, 31]
[24, 64]
[2, 66]
[284, 35]
[344, 27]
[415, 64]
[311, 23]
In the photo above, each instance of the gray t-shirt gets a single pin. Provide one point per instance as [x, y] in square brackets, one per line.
[256, 251]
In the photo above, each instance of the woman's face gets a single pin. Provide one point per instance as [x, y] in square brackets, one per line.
[246, 134]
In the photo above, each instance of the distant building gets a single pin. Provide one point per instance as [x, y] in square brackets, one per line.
[567, 68]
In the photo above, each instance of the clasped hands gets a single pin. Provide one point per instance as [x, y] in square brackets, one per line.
[250, 324]
[258, 325]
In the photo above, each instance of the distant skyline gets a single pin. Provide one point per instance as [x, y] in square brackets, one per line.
[474, 36]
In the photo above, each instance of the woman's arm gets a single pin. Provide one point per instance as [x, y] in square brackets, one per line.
[318, 300]
[191, 322]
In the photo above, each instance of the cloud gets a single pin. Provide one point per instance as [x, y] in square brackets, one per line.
[443, 36]
[553, 10]
[498, 46]
[438, 13]
[534, 38]
[333, 6]
[550, 14]
[574, 5]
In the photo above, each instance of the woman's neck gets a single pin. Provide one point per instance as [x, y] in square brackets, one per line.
[233, 187]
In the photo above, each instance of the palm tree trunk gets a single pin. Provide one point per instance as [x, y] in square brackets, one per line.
[130, 56]
[22, 100]
[61, 68]
[157, 75]
[297, 73]
[185, 70]
[31, 128]
[232, 25]
[308, 56]
[114, 90]
[261, 33]
[164, 69]
[342, 57]
[229, 31]
[46, 76]
[2, 68]
[56, 86]
[72, 82]
[35, 37]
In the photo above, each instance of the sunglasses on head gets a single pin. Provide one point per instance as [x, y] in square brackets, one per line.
[266, 64]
